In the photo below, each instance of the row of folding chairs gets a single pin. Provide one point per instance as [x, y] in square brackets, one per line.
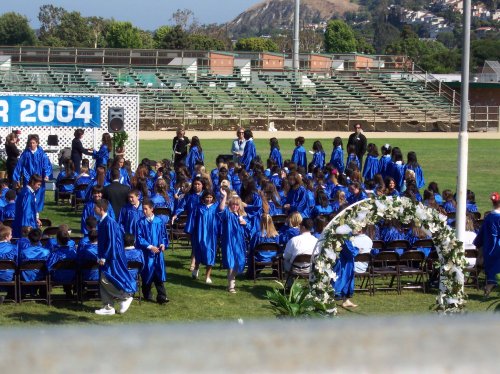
[22, 289]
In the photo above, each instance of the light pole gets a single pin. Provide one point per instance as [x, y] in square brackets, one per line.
[296, 40]
[463, 136]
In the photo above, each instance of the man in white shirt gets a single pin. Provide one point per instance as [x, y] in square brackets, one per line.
[299, 245]
[365, 245]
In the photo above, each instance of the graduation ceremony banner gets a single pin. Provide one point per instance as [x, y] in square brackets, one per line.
[68, 111]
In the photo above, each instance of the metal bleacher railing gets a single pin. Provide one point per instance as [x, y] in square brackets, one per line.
[376, 95]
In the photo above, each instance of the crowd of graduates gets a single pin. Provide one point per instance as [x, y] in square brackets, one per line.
[258, 196]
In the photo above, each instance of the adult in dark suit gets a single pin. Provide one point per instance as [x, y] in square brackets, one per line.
[77, 150]
[359, 141]
[12, 154]
[180, 147]
[115, 192]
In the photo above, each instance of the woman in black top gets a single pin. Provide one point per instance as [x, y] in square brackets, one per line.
[12, 154]
[77, 150]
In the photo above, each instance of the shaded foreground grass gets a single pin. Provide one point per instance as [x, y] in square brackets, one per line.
[438, 158]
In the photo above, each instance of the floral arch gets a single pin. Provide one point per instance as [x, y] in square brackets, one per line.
[451, 297]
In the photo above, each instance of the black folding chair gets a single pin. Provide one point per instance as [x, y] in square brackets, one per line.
[274, 263]
[42, 282]
[9, 265]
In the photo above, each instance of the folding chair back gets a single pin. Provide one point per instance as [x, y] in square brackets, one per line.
[397, 245]
[50, 231]
[177, 231]
[85, 269]
[279, 220]
[40, 266]
[472, 269]
[69, 266]
[366, 276]
[137, 266]
[8, 266]
[274, 262]
[412, 263]
[385, 265]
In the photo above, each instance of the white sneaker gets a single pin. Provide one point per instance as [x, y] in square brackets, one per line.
[125, 304]
[208, 281]
[107, 310]
[194, 274]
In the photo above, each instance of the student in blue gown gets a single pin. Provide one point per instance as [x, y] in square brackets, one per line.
[88, 209]
[115, 282]
[62, 252]
[118, 163]
[344, 269]
[320, 222]
[33, 161]
[470, 205]
[318, 156]
[449, 204]
[90, 224]
[9, 210]
[415, 233]
[267, 234]
[299, 155]
[133, 254]
[195, 155]
[26, 210]
[273, 199]
[296, 199]
[52, 242]
[188, 204]
[249, 152]
[290, 229]
[434, 188]
[253, 203]
[275, 154]
[396, 168]
[390, 187]
[234, 230]
[101, 156]
[35, 251]
[340, 202]
[392, 230]
[8, 251]
[67, 173]
[488, 239]
[352, 157]
[152, 238]
[131, 213]
[384, 160]
[412, 164]
[371, 163]
[322, 205]
[356, 193]
[337, 157]
[99, 179]
[87, 253]
[203, 229]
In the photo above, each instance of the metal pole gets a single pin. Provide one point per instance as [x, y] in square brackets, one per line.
[296, 41]
[463, 137]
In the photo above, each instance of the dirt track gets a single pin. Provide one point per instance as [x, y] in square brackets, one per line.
[161, 135]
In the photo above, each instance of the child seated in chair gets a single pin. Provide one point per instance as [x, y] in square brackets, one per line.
[24, 241]
[53, 242]
[87, 253]
[35, 251]
[9, 210]
[133, 254]
[90, 224]
[62, 251]
[8, 251]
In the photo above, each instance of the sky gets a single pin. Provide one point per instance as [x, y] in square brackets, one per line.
[145, 14]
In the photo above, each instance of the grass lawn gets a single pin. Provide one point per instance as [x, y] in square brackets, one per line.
[192, 300]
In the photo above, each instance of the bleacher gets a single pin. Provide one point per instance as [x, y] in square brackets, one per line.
[175, 94]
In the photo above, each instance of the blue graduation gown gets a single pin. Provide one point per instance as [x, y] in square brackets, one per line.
[396, 171]
[88, 253]
[344, 268]
[419, 175]
[355, 198]
[233, 236]
[61, 253]
[34, 163]
[488, 238]
[273, 209]
[299, 156]
[8, 211]
[134, 254]
[257, 239]
[152, 233]
[353, 158]
[204, 229]
[337, 159]
[101, 156]
[88, 210]
[319, 210]
[319, 159]
[26, 209]
[66, 187]
[193, 156]
[129, 216]
[412, 239]
[52, 244]
[383, 163]
[254, 212]
[287, 233]
[371, 167]
[8, 251]
[33, 252]
[275, 155]
[298, 200]
[390, 233]
[110, 247]
[249, 153]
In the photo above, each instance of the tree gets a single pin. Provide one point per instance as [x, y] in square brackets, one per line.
[200, 42]
[15, 30]
[123, 35]
[176, 38]
[160, 34]
[49, 17]
[256, 45]
[74, 30]
[311, 41]
[185, 19]
[339, 37]
[484, 49]
[97, 26]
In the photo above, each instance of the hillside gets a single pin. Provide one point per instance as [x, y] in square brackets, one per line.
[275, 14]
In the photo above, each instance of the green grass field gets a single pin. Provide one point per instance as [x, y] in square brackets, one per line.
[192, 300]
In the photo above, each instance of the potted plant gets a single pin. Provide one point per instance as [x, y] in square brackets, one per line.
[119, 140]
